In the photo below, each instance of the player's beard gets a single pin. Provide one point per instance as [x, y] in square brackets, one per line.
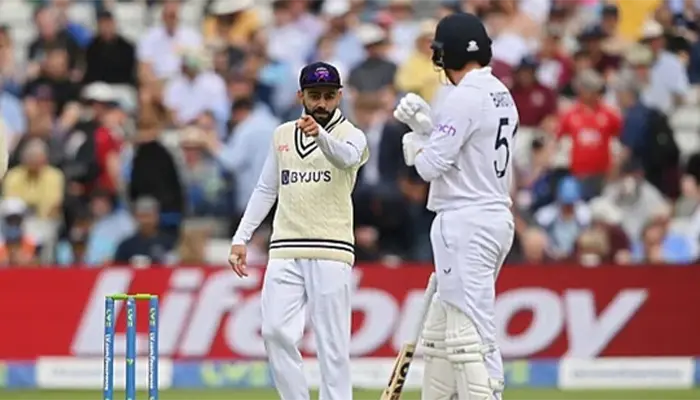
[320, 115]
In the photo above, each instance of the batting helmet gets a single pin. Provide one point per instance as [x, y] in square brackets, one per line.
[461, 38]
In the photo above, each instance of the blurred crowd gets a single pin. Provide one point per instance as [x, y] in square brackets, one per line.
[138, 129]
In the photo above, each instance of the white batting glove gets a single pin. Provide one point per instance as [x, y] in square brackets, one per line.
[413, 143]
[415, 112]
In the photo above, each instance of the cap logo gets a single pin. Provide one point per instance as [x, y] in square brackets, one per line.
[472, 46]
[322, 74]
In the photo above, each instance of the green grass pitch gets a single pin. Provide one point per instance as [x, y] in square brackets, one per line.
[512, 394]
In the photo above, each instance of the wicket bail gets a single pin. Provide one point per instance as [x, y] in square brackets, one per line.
[110, 325]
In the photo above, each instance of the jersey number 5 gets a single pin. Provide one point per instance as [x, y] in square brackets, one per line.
[502, 141]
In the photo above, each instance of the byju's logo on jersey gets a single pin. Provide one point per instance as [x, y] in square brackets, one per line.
[290, 177]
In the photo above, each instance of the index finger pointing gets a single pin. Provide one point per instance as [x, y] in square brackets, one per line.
[240, 270]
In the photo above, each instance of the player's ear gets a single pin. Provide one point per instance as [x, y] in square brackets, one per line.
[300, 96]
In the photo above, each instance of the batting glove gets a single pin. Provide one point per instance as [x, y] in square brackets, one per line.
[413, 143]
[415, 112]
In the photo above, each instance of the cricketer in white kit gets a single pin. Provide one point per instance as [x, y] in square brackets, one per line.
[311, 171]
[464, 151]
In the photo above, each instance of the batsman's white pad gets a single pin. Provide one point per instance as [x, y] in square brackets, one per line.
[466, 351]
[438, 378]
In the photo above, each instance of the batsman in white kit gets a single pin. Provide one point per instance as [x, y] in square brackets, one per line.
[311, 171]
[464, 150]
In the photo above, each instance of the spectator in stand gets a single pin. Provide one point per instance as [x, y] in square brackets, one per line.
[149, 245]
[154, 174]
[101, 227]
[646, 132]
[604, 241]
[367, 243]
[231, 23]
[685, 16]
[65, 93]
[158, 50]
[538, 180]
[591, 125]
[582, 62]
[12, 114]
[383, 197]
[17, 248]
[508, 46]
[243, 151]
[79, 33]
[412, 239]
[564, 220]
[530, 247]
[39, 185]
[325, 51]
[537, 104]
[305, 16]
[110, 58]
[42, 124]
[694, 61]
[10, 70]
[108, 141]
[404, 28]
[201, 175]
[690, 190]
[111, 224]
[659, 244]
[80, 162]
[417, 74]
[191, 249]
[50, 37]
[519, 19]
[267, 73]
[614, 43]
[376, 73]
[669, 80]
[289, 43]
[224, 60]
[75, 250]
[591, 40]
[195, 90]
[341, 21]
[636, 198]
[556, 68]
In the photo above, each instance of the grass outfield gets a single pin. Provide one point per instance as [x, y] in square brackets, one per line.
[512, 394]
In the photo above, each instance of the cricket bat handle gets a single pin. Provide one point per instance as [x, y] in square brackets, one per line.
[430, 290]
[399, 372]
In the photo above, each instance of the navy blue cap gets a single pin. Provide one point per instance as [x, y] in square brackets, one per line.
[459, 39]
[592, 32]
[528, 61]
[610, 10]
[319, 74]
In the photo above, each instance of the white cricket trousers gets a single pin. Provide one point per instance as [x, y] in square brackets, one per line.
[469, 247]
[290, 286]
